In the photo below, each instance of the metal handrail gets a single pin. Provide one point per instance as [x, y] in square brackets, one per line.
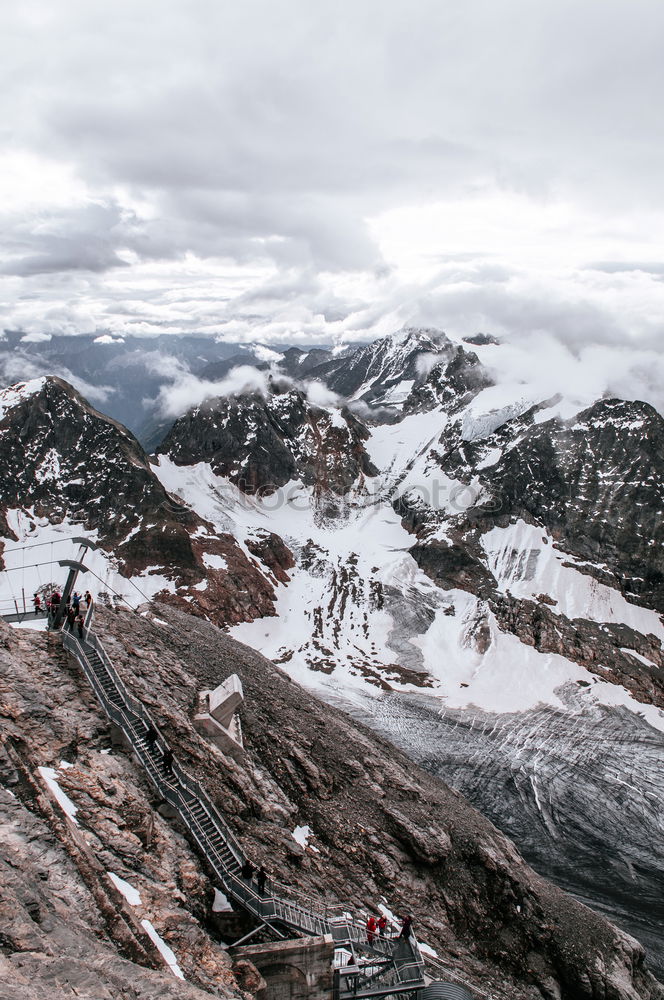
[185, 793]
[244, 892]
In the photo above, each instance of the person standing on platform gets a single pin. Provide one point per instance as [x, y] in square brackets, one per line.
[406, 927]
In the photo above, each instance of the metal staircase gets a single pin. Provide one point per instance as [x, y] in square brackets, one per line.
[384, 967]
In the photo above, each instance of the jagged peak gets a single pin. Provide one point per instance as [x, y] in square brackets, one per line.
[13, 395]
[623, 414]
[419, 336]
[48, 388]
[407, 341]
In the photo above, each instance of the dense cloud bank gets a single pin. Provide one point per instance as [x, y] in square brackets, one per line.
[285, 174]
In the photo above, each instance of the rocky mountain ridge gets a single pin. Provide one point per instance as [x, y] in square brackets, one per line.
[381, 829]
[438, 537]
[260, 443]
[66, 466]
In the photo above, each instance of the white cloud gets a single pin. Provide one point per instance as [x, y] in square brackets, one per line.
[187, 391]
[318, 394]
[263, 353]
[19, 366]
[36, 338]
[286, 179]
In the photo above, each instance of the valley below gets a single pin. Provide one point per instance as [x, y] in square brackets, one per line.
[579, 790]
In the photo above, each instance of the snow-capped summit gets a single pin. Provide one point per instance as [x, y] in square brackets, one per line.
[384, 373]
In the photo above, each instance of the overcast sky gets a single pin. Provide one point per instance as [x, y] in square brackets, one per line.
[282, 170]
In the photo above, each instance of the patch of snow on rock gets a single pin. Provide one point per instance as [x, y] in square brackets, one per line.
[63, 800]
[221, 903]
[214, 562]
[489, 411]
[167, 954]
[49, 469]
[15, 394]
[301, 834]
[130, 893]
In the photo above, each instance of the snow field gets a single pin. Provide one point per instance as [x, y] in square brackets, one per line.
[523, 559]
[347, 636]
[508, 676]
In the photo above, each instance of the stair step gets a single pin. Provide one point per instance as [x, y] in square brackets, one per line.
[200, 820]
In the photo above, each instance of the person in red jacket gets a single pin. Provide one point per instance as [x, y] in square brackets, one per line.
[382, 924]
[371, 929]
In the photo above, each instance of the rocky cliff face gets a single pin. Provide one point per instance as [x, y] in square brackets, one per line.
[262, 443]
[594, 484]
[597, 482]
[594, 481]
[67, 926]
[381, 828]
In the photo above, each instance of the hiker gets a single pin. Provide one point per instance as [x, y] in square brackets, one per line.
[151, 736]
[168, 761]
[406, 927]
[79, 623]
[247, 870]
[371, 929]
[55, 600]
[75, 601]
[88, 600]
[382, 924]
[36, 600]
[261, 879]
[71, 618]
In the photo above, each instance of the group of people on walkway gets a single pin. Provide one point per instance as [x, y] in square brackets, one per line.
[249, 870]
[377, 927]
[71, 612]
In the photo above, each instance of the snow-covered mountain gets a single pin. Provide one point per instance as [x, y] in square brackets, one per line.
[409, 538]
[66, 470]
[503, 563]
[384, 373]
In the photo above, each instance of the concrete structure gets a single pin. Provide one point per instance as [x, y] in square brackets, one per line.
[216, 716]
[299, 969]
